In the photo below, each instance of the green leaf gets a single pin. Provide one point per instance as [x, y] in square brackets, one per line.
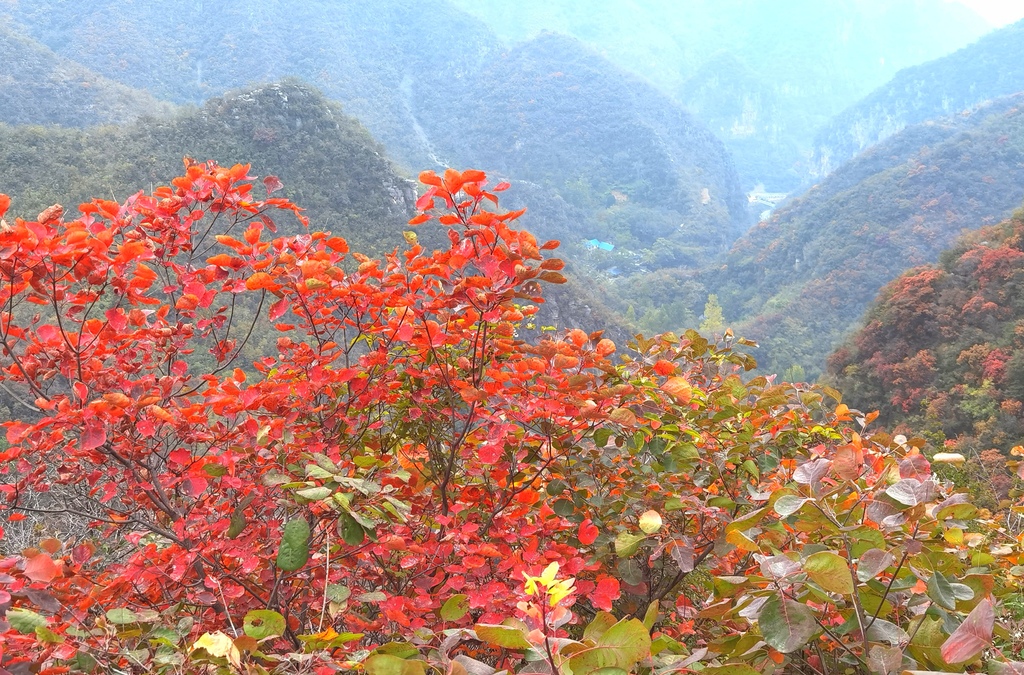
[596, 628]
[730, 669]
[318, 472]
[957, 512]
[881, 630]
[601, 437]
[314, 494]
[25, 621]
[621, 647]
[455, 607]
[830, 571]
[626, 544]
[787, 505]
[121, 616]
[338, 592]
[46, 635]
[505, 637]
[563, 507]
[325, 463]
[786, 625]
[941, 592]
[351, 531]
[263, 623]
[293, 552]
[237, 525]
[215, 470]
[388, 664]
[556, 487]
[750, 467]
[651, 616]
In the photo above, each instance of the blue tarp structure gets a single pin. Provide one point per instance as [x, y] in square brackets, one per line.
[603, 245]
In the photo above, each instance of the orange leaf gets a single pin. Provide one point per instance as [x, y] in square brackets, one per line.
[41, 568]
[430, 178]
[679, 389]
[260, 281]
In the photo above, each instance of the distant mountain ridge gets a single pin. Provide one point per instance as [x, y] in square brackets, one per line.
[763, 75]
[39, 87]
[990, 68]
[553, 111]
[799, 282]
[289, 130]
[437, 88]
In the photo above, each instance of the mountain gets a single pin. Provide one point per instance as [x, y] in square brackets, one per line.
[764, 75]
[800, 281]
[38, 86]
[552, 111]
[329, 164]
[942, 348]
[377, 58]
[990, 68]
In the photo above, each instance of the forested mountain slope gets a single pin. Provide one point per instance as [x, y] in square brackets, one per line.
[377, 58]
[764, 75]
[800, 281]
[38, 86]
[554, 112]
[327, 161]
[942, 349]
[438, 89]
[990, 68]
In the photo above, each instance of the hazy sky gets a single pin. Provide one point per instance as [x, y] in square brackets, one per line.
[998, 12]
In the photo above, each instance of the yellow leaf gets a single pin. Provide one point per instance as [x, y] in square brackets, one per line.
[548, 575]
[219, 644]
[559, 590]
[650, 522]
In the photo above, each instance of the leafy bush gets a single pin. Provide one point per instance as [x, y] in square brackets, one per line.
[372, 487]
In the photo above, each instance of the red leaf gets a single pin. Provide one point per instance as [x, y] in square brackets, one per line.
[502, 186]
[40, 568]
[427, 200]
[973, 635]
[278, 309]
[915, 466]
[273, 184]
[588, 532]
[606, 592]
[5, 203]
[93, 436]
[194, 485]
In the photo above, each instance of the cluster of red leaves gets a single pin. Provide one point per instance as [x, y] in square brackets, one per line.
[122, 332]
[191, 386]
